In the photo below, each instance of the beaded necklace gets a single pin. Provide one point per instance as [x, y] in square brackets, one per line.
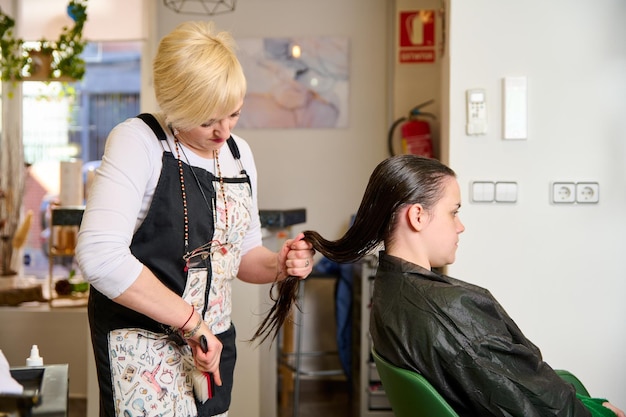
[184, 193]
[182, 189]
[223, 192]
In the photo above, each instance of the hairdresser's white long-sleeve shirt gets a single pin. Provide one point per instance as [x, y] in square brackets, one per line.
[121, 194]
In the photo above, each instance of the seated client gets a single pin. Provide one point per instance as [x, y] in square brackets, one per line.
[452, 332]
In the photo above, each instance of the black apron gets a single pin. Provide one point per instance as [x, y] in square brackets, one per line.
[140, 370]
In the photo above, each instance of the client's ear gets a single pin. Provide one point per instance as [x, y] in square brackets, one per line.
[416, 217]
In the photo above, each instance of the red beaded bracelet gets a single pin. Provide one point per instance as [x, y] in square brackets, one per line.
[188, 318]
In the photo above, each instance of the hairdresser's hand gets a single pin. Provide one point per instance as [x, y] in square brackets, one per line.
[296, 258]
[617, 411]
[209, 361]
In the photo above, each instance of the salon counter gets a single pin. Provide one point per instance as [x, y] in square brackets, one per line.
[62, 335]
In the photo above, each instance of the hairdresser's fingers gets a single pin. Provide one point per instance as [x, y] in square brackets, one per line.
[217, 378]
[300, 266]
[298, 238]
[208, 361]
[300, 249]
[296, 256]
[292, 244]
[300, 254]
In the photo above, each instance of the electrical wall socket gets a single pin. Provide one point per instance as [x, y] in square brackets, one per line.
[563, 192]
[587, 192]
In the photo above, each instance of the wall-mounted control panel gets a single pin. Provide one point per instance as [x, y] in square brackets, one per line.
[476, 112]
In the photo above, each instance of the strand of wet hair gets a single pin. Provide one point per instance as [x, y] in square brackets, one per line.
[288, 289]
[283, 302]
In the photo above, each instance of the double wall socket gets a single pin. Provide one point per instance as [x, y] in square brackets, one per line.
[571, 192]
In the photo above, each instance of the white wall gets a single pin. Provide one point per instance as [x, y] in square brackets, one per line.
[557, 269]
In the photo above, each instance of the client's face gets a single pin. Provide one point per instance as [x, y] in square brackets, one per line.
[441, 235]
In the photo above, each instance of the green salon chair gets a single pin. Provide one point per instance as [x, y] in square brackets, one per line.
[571, 378]
[411, 395]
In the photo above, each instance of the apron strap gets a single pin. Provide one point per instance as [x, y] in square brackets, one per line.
[154, 124]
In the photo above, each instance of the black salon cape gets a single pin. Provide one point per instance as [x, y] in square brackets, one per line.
[464, 343]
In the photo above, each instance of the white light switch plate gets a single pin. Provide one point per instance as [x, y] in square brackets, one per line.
[515, 113]
[506, 192]
[483, 191]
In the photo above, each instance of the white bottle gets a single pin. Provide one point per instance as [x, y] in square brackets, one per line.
[34, 359]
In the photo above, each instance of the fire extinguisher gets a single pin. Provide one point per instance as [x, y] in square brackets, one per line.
[416, 137]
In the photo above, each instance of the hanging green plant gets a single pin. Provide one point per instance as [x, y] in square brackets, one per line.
[49, 60]
[12, 57]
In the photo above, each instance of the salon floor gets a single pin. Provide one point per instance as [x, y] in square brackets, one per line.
[317, 398]
[327, 398]
[77, 407]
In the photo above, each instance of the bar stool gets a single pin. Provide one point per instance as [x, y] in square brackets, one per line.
[290, 357]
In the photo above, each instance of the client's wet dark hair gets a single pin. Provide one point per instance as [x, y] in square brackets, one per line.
[394, 183]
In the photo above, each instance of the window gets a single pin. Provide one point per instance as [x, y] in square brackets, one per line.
[64, 121]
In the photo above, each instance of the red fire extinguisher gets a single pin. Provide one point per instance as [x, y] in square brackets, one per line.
[416, 137]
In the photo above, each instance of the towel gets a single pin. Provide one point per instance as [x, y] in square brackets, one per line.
[8, 385]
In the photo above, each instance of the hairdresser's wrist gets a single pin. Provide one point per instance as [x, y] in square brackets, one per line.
[192, 327]
[281, 273]
[192, 310]
[281, 267]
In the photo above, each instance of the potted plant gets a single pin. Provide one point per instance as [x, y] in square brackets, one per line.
[50, 60]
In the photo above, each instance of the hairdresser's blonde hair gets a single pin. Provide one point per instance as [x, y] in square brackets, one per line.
[197, 76]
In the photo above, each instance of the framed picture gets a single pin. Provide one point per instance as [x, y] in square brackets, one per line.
[299, 82]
